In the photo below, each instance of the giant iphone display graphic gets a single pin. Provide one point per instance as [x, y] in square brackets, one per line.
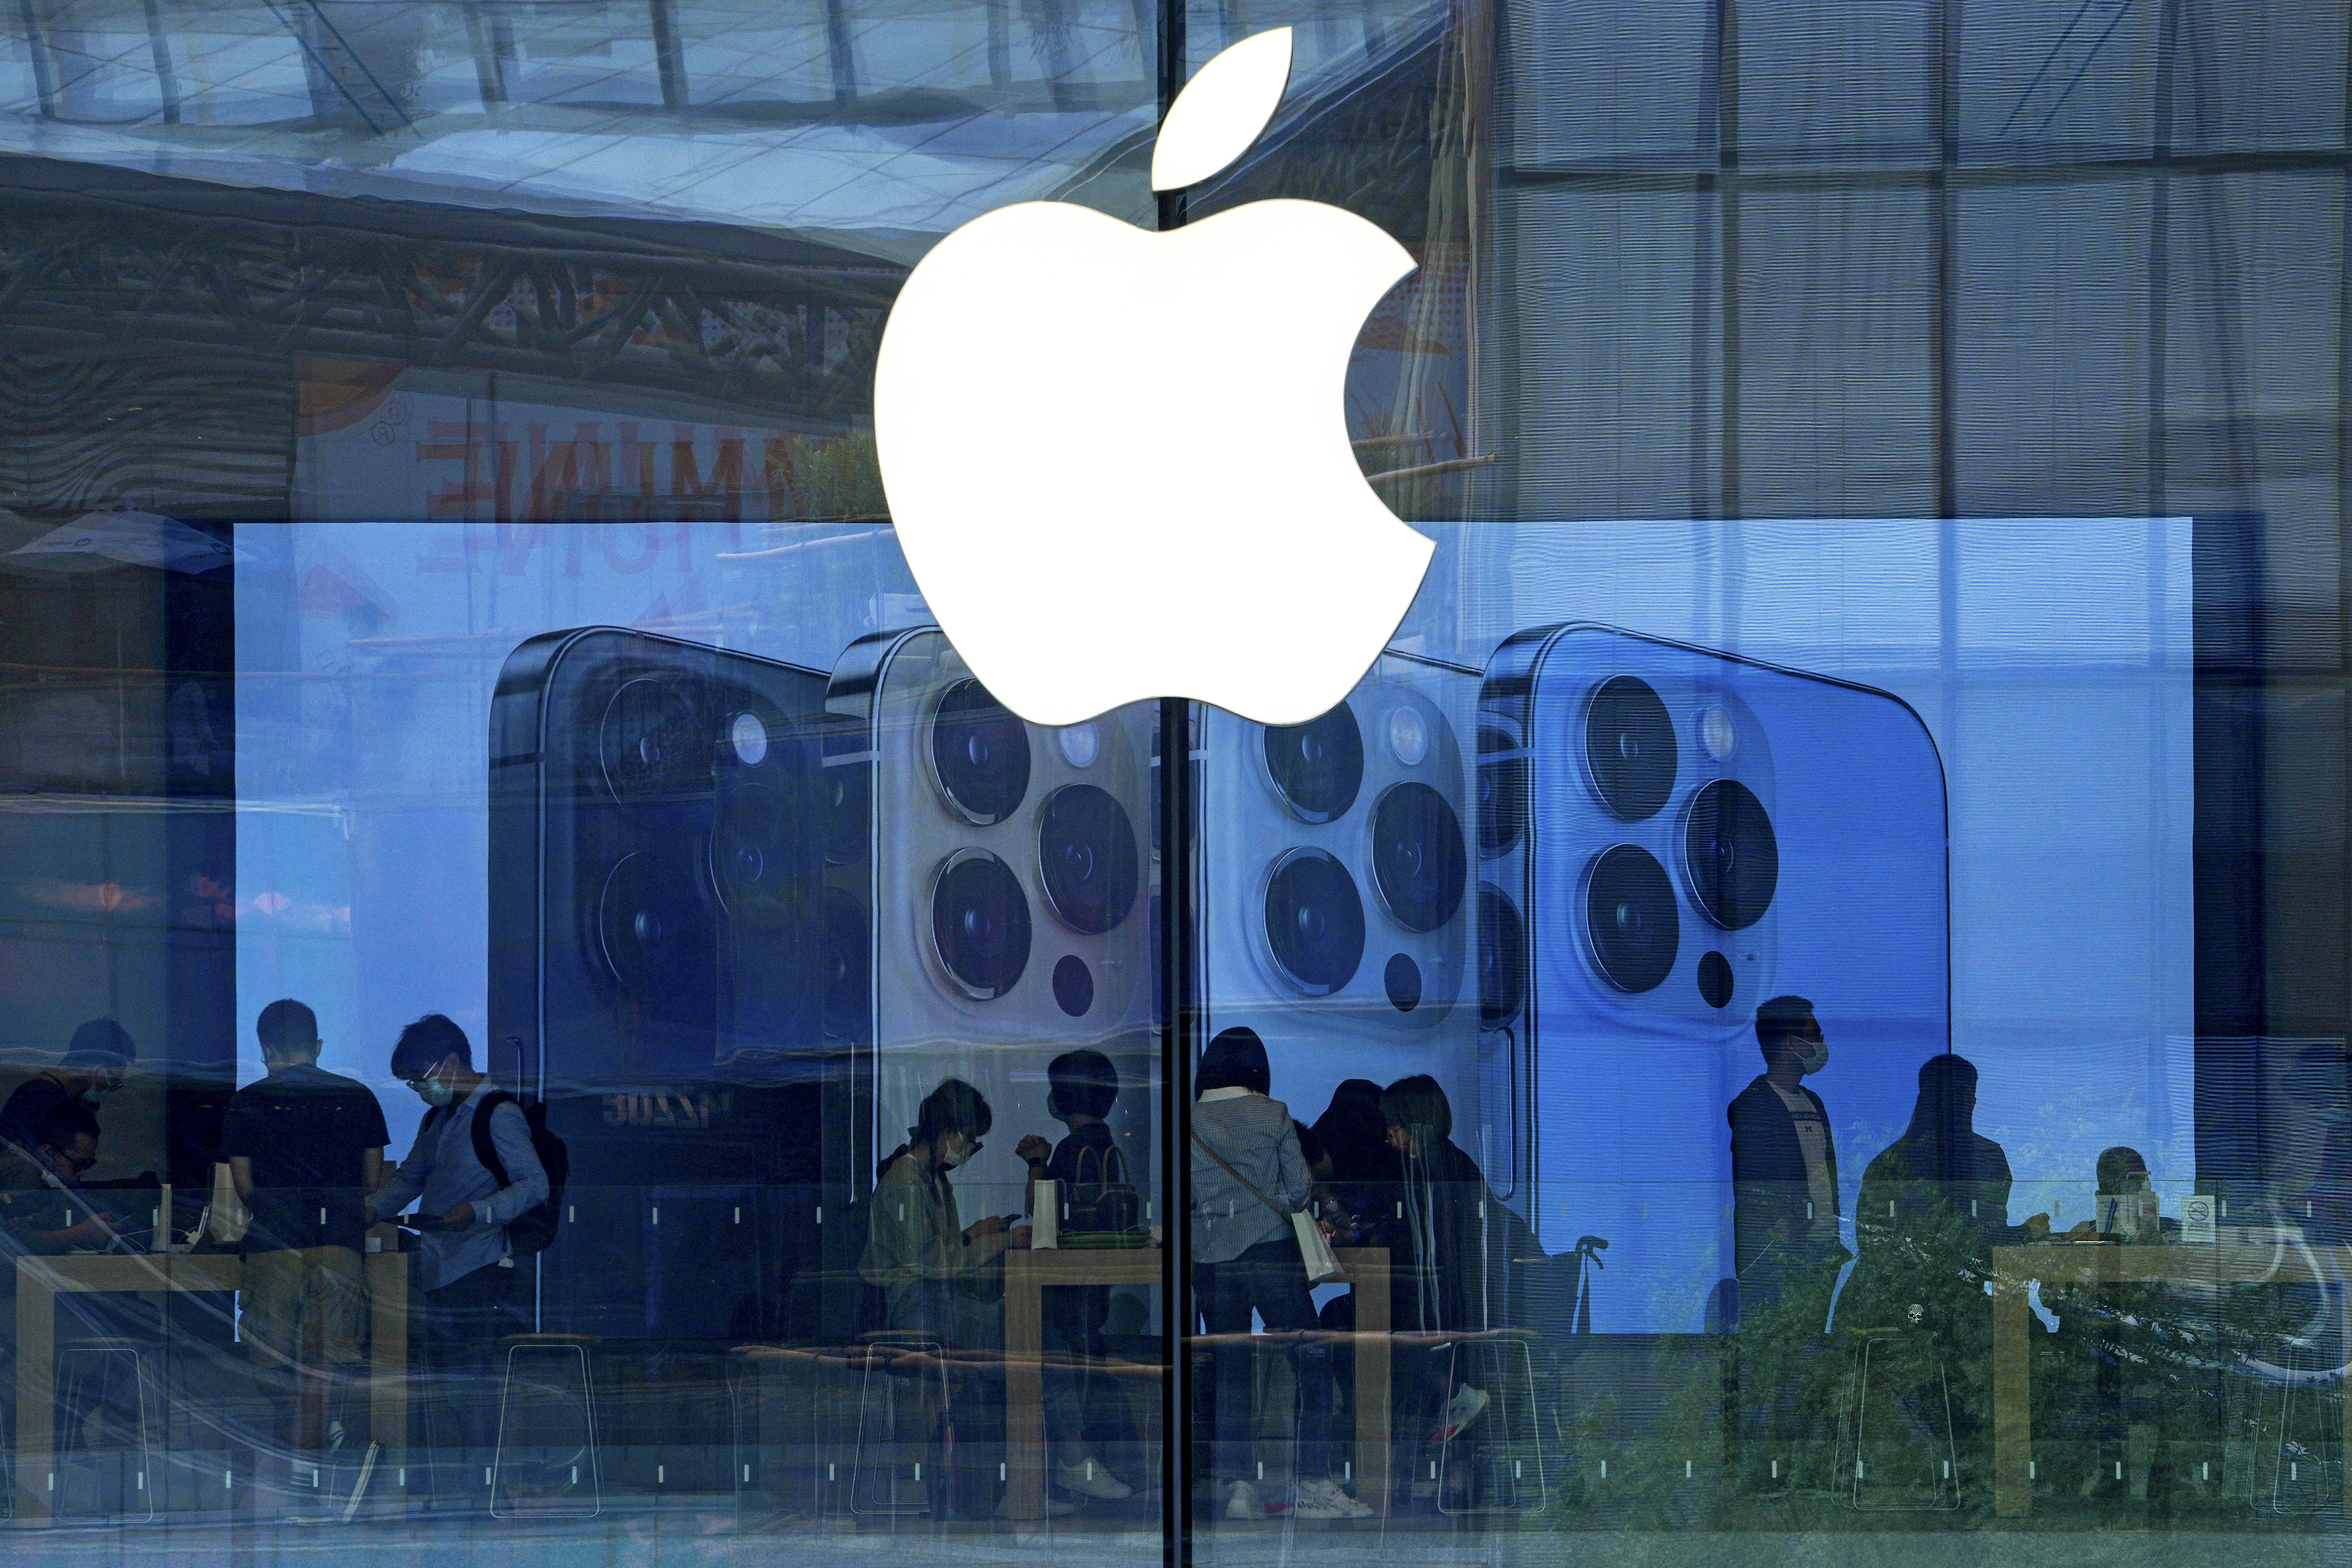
[707, 833]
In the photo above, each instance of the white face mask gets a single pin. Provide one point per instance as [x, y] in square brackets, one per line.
[433, 1091]
[1820, 1058]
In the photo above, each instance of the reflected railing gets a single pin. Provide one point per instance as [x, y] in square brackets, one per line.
[708, 1343]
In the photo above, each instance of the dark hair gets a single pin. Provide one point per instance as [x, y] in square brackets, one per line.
[1354, 1133]
[288, 1028]
[954, 1107]
[1234, 1060]
[100, 1043]
[1947, 1075]
[2114, 1162]
[1940, 1148]
[423, 1042]
[1418, 1104]
[1084, 1081]
[65, 1122]
[1777, 1019]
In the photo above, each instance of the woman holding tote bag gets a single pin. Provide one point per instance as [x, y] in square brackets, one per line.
[1248, 1180]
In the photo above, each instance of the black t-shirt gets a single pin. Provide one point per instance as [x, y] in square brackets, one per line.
[29, 1109]
[305, 1131]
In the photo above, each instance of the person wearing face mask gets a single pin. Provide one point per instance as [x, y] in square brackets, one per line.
[93, 1067]
[1083, 1085]
[1784, 1177]
[465, 1268]
[944, 1281]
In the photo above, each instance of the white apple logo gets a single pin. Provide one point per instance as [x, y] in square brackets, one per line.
[1117, 460]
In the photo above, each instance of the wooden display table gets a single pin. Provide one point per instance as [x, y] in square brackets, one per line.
[2228, 1261]
[40, 1281]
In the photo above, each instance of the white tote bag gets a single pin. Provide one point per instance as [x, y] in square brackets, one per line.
[1313, 1247]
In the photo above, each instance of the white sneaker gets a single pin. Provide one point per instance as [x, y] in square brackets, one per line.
[1091, 1478]
[1243, 1503]
[1326, 1500]
[1467, 1405]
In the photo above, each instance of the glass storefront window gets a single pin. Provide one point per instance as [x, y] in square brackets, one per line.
[1801, 993]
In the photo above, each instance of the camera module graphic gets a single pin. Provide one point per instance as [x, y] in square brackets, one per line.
[1667, 836]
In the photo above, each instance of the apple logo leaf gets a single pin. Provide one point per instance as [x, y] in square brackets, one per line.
[1222, 111]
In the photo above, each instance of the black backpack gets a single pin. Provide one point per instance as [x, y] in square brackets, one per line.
[533, 1230]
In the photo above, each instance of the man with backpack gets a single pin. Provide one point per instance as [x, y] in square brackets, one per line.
[481, 1186]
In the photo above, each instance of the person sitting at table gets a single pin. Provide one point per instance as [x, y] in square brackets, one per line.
[1942, 1167]
[305, 1149]
[1451, 1246]
[39, 1203]
[1361, 1184]
[1248, 1178]
[2133, 1215]
[93, 1067]
[944, 1281]
[37, 1180]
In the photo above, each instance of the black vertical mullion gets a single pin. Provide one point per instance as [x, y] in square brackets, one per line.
[1943, 316]
[1177, 1020]
[1726, 160]
[2160, 283]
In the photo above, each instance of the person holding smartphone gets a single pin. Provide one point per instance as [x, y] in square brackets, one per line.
[944, 1281]
[54, 1155]
[464, 1267]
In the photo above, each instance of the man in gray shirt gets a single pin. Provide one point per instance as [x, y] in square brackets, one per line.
[464, 1269]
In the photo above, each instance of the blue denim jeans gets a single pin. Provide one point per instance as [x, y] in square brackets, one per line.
[1270, 1280]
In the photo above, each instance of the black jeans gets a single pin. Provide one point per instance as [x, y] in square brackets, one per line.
[458, 1330]
[1270, 1280]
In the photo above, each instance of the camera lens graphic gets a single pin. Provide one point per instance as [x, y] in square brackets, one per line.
[1408, 736]
[844, 794]
[979, 923]
[1418, 859]
[845, 965]
[753, 820]
[980, 753]
[1730, 854]
[1086, 858]
[1629, 748]
[1073, 985]
[1314, 922]
[1715, 980]
[761, 862]
[1630, 918]
[1502, 789]
[1501, 958]
[651, 742]
[1401, 981]
[1319, 766]
[652, 927]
